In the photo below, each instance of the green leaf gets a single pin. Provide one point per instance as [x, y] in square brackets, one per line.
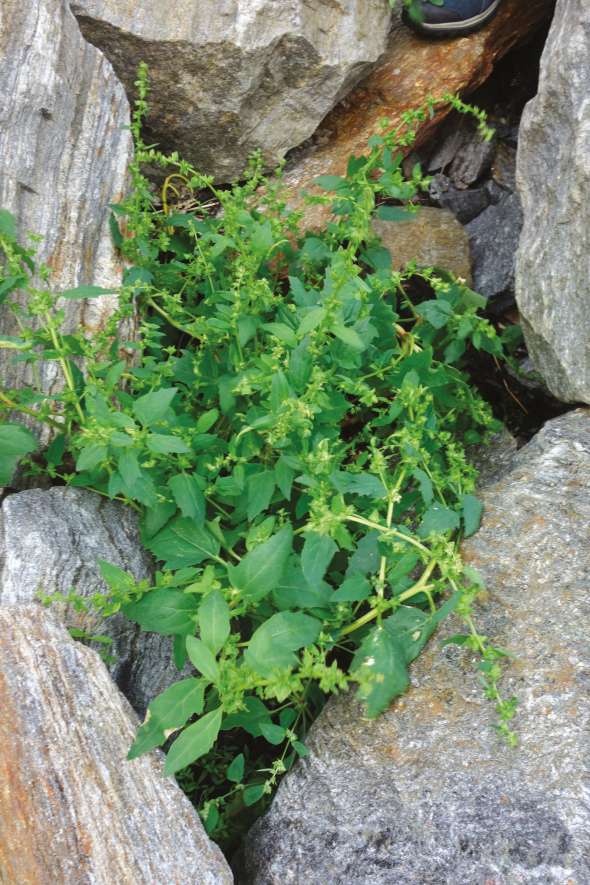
[235, 771]
[7, 224]
[202, 658]
[437, 313]
[261, 487]
[380, 667]
[207, 420]
[115, 577]
[194, 742]
[274, 734]
[251, 795]
[352, 590]
[330, 182]
[425, 485]
[295, 592]
[471, 512]
[250, 719]
[284, 477]
[91, 456]
[129, 468]
[164, 611]
[15, 442]
[261, 570]
[189, 497]
[170, 710]
[438, 520]
[394, 213]
[282, 332]
[81, 292]
[411, 628]
[152, 407]
[182, 542]
[317, 554]
[166, 445]
[214, 625]
[348, 336]
[273, 644]
[311, 320]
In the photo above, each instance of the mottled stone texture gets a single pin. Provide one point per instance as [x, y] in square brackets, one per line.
[411, 70]
[73, 811]
[231, 77]
[433, 237]
[428, 794]
[63, 157]
[553, 174]
[51, 541]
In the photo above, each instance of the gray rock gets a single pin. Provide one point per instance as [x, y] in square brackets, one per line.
[553, 170]
[429, 794]
[229, 78]
[63, 159]
[463, 155]
[493, 237]
[464, 204]
[73, 810]
[50, 542]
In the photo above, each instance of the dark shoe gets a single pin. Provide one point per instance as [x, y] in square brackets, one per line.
[454, 18]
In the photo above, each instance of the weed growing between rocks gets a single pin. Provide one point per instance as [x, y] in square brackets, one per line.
[290, 427]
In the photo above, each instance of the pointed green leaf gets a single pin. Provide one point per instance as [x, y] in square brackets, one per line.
[273, 644]
[472, 511]
[380, 667]
[151, 408]
[194, 742]
[214, 625]
[15, 442]
[182, 542]
[261, 570]
[202, 658]
[164, 611]
[189, 497]
[317, 554]
[235, 771]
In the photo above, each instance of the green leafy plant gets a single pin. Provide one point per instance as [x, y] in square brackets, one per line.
[290, 423]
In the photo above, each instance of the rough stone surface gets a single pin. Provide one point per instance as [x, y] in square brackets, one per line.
[493, 236]
[63, 158]
[464, 204]
[428, 794]
[433, 237]
[228, 78]
[411, 69]
[51, 541]
[463, 155]
[553, 173]
[72, 809]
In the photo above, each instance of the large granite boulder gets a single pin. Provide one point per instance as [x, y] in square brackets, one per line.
[429, 794]
[50, 542]
[553, 173]
[64, 154]
[229, 78]
[73, 810]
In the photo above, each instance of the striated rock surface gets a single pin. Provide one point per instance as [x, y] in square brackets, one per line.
[411, 69]
[432, 238]
[493, 236]
[553, 173]
[428, 794]
[51, 541]
[72, 809]
[229, 78]
[63, 158]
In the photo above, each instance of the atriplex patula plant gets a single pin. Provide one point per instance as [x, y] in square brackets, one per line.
[291, 431]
